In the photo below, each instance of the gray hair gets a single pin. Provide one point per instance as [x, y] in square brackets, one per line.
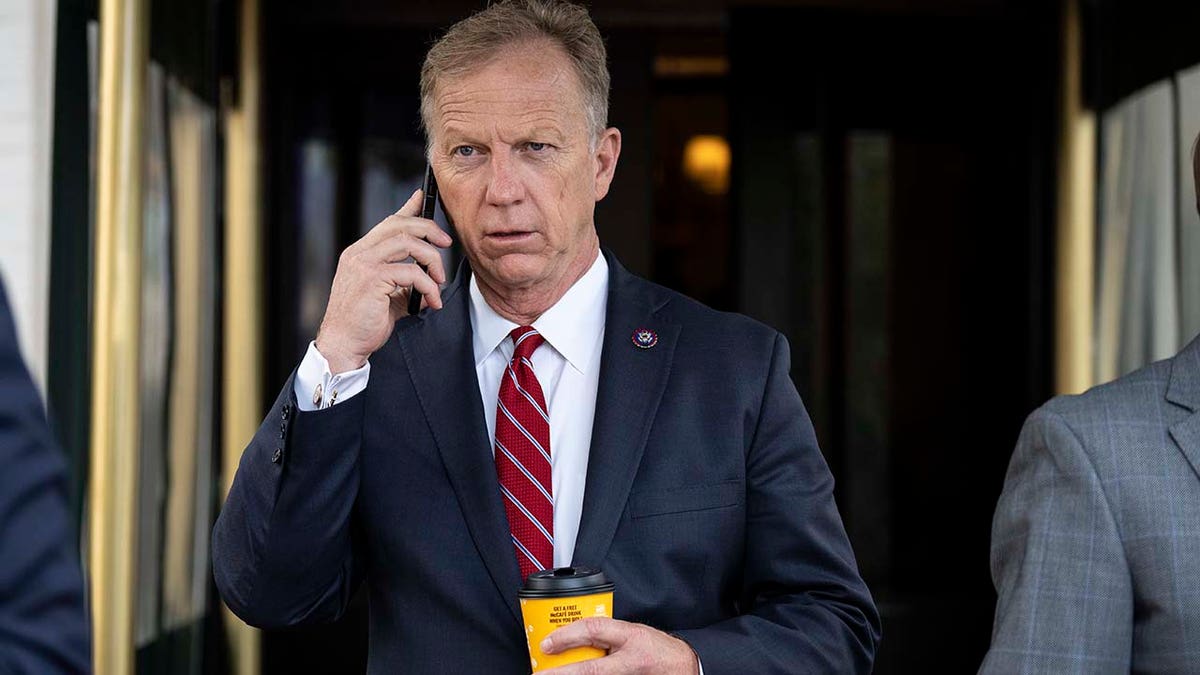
[477, 39]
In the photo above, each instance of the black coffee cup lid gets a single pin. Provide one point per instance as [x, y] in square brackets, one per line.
[565, 581]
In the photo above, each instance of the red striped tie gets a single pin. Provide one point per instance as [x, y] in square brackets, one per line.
[523, 456]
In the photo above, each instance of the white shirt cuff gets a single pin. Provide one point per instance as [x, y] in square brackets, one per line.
[317, 388]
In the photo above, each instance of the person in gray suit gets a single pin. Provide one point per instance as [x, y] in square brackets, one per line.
[1096, 537]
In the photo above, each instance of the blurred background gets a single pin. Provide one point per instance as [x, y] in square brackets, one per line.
[954, 209]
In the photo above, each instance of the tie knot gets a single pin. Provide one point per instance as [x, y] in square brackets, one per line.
[526, 339]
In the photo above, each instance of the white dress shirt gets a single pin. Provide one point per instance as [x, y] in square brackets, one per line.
[567, 366]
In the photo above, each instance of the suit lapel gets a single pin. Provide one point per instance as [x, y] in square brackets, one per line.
[1184, 391]
[437, 350]
[632, 381]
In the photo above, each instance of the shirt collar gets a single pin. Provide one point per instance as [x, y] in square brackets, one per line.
[571, 326]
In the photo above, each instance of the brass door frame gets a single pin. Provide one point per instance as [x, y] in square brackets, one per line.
[243, 284]
[115, 434]
[1076, 228]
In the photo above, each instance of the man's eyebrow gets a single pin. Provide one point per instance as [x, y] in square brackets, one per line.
[453, 134]
[544, 130]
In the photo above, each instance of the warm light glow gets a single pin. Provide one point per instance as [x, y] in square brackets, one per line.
[706, 161]
[691, 66]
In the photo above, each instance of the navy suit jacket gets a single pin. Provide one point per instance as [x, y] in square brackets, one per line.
[707, 502]
[43, 624]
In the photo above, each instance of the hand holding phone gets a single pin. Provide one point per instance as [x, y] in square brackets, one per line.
[376, 280]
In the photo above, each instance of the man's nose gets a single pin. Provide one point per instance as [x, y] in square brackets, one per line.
[504, 184]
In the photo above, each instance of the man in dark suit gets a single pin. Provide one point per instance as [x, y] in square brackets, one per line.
[547, 408]
[43, 624]
[1095, 544]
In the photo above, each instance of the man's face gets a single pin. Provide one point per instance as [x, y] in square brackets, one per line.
[513, 157]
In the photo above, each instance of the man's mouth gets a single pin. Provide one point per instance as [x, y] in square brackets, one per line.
[510, 235]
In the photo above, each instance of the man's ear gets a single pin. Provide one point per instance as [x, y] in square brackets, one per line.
[608, 150]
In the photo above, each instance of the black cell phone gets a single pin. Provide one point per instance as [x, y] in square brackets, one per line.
[429, 190]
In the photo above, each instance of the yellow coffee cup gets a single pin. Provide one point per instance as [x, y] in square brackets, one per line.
[554, 598]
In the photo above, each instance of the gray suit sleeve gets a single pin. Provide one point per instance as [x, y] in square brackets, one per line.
[1065, 599]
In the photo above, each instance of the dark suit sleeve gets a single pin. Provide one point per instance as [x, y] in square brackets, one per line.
[283, 548]
[43, 624]
[804, 606]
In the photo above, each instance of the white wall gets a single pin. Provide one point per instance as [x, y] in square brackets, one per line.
[26, 123]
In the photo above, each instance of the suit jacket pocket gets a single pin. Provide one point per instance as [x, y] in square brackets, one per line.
[683, 499]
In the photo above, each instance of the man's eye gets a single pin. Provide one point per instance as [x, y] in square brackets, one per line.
[464, 151]
[536, 147]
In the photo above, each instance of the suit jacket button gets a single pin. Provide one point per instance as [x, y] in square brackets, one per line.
[287, 410]
[278, 456]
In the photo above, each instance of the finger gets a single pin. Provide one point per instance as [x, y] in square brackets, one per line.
[412, 207]
[388, 226]
[422, 228]
[417, 228]
[405, 220]
[401, 247]
[413, 277]
[599, 632]
[399, 303]
[613, 664]
[403, 276]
